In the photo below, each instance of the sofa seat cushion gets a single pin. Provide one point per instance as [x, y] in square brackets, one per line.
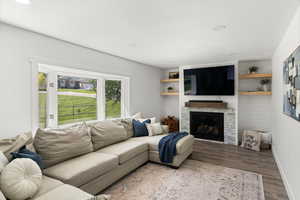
[181, 147]
[125, 150]
[65, 192]
[81, 170]
[48, 184]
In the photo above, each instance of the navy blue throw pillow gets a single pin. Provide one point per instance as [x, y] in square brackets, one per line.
[25, 153]
[139, 128]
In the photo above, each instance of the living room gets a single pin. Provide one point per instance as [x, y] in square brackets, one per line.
[143, 100]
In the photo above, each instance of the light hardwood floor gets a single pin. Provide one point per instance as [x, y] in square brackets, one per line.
[235, 157]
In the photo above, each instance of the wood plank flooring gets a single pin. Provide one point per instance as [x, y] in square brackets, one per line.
[236, 157]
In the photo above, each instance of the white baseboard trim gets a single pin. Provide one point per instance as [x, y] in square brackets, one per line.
[288, 188]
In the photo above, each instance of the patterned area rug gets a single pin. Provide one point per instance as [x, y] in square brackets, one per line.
[194, 180]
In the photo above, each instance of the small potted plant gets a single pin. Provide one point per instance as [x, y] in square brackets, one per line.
[253, 69]
[170, 89]
[265, 84]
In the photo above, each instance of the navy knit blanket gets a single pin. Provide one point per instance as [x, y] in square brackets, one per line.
[167, 146]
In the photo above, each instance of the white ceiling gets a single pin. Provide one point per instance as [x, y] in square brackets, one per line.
[163, 33]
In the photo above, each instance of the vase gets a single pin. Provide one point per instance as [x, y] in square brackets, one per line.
[266, 87]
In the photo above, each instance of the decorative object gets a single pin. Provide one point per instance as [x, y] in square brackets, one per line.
[170, 89]
[265, 84]
[173, 75]
[194, 180]
[291, 85]
[251, 140]
[172, 122]
[21, 179]
[253, 70]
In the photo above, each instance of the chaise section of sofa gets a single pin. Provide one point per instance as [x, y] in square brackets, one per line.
[184, 148]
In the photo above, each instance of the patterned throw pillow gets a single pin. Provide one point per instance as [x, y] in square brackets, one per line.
[251, 140]
[154, 129]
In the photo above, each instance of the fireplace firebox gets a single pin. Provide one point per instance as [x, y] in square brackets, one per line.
[207, 125]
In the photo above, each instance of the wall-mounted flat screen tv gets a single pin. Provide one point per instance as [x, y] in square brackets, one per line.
[215, 81]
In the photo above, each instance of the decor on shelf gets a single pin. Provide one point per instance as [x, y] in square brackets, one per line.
[172, 122]
[265, 84]
[251, 140]
[291, 83]
[253, 70]
[170, 89]
[173, 75]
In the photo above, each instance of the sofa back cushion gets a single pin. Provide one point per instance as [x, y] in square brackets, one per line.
[57, 145]
[107, 132]
[127, 124]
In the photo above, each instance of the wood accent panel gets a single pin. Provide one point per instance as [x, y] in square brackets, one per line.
[169, 93]
[169, 80]
[239, 158]
[251, 76]
[255, 93]
[206, 105]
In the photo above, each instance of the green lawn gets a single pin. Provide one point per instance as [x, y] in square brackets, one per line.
[73, 109]
[77, 90]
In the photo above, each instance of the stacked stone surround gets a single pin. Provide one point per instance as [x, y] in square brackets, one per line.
[230, 129]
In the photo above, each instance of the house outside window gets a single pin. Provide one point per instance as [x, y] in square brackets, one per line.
[67, 96]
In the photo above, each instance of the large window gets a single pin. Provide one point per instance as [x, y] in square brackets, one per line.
[68, 96]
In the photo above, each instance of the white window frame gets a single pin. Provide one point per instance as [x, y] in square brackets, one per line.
[53, 71]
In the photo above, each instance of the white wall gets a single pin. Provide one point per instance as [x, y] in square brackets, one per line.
[254, 111]
[286, 131]
[170, 104]
[18, 46]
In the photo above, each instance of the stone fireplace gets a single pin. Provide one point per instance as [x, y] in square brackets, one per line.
[210, 124]
[207, 125]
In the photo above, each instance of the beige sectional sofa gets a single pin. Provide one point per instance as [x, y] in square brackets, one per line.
[91, 173]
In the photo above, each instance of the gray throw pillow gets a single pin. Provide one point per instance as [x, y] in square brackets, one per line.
[107, 132]
[57, 145]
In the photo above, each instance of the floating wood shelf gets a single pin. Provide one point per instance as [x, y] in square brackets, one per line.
[169, 80]
[169, 93]
[255, 93]
[206, 105]
[251, 76]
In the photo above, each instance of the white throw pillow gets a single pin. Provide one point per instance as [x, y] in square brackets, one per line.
[2, 197]
[138, 115]
[154, 129]
[165, 128]
[3, 161]
[21, 179]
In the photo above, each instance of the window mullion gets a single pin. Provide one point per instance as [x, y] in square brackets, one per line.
[101, 99]
[52, 115]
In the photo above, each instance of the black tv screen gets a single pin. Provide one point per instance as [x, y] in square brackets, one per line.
[209, 81]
